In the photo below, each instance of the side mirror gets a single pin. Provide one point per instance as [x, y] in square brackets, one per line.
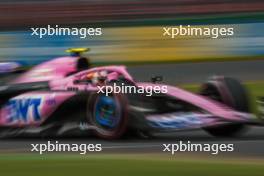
[156, 79]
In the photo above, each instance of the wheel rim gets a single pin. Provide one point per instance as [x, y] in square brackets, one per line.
[107, 112]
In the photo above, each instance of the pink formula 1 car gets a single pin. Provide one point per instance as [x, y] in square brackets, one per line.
[64, 96]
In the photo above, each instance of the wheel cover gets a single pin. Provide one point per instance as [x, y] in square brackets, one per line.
[107, 112]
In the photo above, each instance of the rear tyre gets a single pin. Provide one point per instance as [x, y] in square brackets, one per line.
[231, 92]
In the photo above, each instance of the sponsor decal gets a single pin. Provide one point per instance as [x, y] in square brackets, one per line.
[176, 120]
[51, 102]
[23, 110]
[84, 126]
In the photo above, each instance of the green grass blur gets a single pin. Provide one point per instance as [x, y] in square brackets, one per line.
[127, 165]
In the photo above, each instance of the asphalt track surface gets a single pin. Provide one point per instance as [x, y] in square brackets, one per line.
[250, 143]
[198, 72]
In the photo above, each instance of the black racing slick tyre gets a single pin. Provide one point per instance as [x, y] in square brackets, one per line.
[231, 92]
[108, 115]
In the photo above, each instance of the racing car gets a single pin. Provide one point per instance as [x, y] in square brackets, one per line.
[65, 96]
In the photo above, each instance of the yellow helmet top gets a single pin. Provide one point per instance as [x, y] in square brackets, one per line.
[77, 51]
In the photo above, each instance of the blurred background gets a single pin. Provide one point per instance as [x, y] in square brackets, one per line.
[133, 34]
[132, 30]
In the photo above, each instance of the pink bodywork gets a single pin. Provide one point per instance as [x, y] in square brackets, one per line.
[55, 72]
[208, 105]
[49, 70]
[49, 103]
[114, 72]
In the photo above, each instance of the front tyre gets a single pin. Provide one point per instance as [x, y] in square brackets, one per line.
[108, 115]
[231, 92]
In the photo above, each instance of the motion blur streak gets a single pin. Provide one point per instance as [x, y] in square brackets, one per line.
[17, 13]
[132, 30]
[136, 44]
